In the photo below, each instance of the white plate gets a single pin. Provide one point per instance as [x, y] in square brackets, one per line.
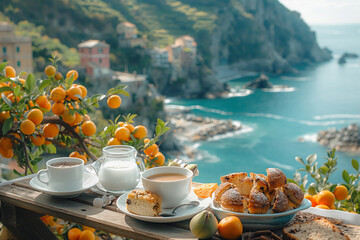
[182, 213]
[90, 180]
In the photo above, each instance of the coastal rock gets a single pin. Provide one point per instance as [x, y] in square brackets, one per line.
[346, 139]
[345, 56]
[261, 82]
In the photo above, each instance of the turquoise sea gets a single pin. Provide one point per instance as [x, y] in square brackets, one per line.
[323, 96]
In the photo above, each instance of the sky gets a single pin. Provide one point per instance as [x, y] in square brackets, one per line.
[326, 12]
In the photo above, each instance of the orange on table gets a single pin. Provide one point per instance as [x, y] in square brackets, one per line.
[73, 73]
[230, 228]
[205, 190]
[50, 70]
[57, 94]
[27, 127]
[88, 128]
[58, 108]
[114, 101]
[151, 150]
[325, 197]
[74, 234]
[311, 199]
[159, 159]
[50, 130]
[36, 116]
[122, 134]
[129, 126]
[113, 141]
[38, 140]
[88, 228]
[47, 219]
[10, 72]
[140, 132]
[322, 206]
[87, 235]
[341, 192]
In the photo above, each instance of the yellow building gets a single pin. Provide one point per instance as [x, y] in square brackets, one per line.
[14, 49]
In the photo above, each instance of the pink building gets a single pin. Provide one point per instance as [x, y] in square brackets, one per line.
[94, 56]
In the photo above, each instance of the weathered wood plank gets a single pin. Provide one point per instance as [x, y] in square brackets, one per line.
[103, 219]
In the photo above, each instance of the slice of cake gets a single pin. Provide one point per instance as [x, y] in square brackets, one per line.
[317, 229]
[143, 203]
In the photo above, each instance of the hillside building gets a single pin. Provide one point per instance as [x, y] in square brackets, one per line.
[15, 50]
[160, 57]
[95, 57]
[128, 36]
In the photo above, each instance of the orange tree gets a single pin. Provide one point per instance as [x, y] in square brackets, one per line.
[41, 116]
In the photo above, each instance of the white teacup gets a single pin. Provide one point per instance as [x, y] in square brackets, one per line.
[64, 174]
[172, 193]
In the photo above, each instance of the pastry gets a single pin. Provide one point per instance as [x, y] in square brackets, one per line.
[276, 178]
[258, 202]
[280, 203]
[221, 190]
[143, 203]
[245, 186]
[231, 200]
[294, 194]
[316, 229]
[260, 183]
[234, 178]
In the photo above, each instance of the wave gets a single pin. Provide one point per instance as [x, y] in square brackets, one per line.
[308, 138]
[198, 107]
[304, 122]
[300, 79]
[337, 116]
[279, 89]
[239, 93]
[244, 129]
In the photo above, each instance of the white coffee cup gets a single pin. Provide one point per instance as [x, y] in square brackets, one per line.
[66, 178]
[172, 193]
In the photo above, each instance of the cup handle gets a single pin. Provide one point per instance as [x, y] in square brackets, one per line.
[39, 173]
[140, 164]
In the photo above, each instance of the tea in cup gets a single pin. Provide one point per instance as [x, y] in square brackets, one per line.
[64, 174]
[172, 184]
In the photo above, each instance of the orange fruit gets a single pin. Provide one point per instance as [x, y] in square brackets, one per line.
[50, 70]
[42, 101]
[151, 150]
[4, 115]
[13, 98]
[140, 132]
[7, 153]
[122, 134]
[205, 190]
[57, 94]
[10, 72]
[87, 235]
[50, 130]
[83, 91]
[341, 192]
[121, 124]
[6, 143]
[68, 117]
[47, 219]
[60, 229]
[159, 159]
[47, 107]
[113, 141]
[230, 228]
[22, 81]
[74, 234]
[58, 76]
[114, 101]
[86, 117]
[322, 206]
[332, 207]
[88, 128]
[38, 140]
[311, 199]
[73, 73]
[129, 126]
[78, 119]
[77, 129]
[74, 93]
[326, 197]
[58, 108]
[83, 158]
[27, 127]
[74, 154]
[36, 116]
[88, 228]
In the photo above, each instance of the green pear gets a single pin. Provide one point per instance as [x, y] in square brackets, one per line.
[203, 225]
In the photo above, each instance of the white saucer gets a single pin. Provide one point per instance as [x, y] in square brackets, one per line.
[90, 180]
[181, 214]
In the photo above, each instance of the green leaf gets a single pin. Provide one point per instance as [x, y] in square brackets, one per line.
[332, 188]
[5, 89]
[5, 80]
[355, 164]
[17, 90]
[44, 84]
[30, 83]
[300, 160]
[311, 158]
[346, 177]
[323, 170]
[7, 125]
[51, 148]
[2, 66]
[69, 81]
[6, 100]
